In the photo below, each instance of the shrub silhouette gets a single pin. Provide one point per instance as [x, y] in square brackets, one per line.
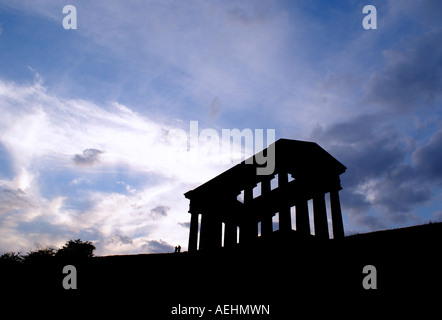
[76, 249]
[39, 256]
[11, 258]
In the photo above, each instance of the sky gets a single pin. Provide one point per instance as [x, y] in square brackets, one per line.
[90, 124]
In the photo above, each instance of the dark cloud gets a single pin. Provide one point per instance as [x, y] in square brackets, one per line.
[354, 202]
[159, 212]
[438, 216]
[89, 157]
[215, 108]
[185, 224]
[426, 12]
[12, 200]
[6, 163]
[120, 240]
[348, 132]
[400, 190]
[378, 175]
[428, 159]
[364, 145]
[410, 79]
[41, 226]
[367, 222]
[157, 246]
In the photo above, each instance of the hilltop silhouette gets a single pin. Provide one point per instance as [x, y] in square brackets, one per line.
[290, 271]
[286, 273]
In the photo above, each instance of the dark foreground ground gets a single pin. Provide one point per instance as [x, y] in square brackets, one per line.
[291, 278]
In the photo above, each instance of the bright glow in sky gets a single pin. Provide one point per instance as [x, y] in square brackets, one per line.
[85, 113]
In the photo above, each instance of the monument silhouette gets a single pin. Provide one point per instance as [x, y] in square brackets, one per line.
[303, 171]
[288, 271]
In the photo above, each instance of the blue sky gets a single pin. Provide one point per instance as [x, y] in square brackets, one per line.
[86, 113]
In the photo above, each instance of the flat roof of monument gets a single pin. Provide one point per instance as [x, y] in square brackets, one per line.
[292, 156]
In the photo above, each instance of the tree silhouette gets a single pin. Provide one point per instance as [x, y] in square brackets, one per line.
[39, 256]
[76, 249]
[11, 258]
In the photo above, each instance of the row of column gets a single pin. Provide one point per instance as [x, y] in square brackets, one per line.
[210, 232]
[211, 224]
[302, 218]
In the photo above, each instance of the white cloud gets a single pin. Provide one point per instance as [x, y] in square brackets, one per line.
[45, 133]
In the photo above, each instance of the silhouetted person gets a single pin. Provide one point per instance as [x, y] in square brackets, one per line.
[179, 249]
[176, 249]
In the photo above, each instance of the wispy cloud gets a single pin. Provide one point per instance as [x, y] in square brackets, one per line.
[412, 77]
[159, 212]
[44, 143]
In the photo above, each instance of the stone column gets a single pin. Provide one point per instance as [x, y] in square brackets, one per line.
[249, 225]
[204, 232]
[217, 235]
[193, 232]
[248, 195]
[266, 226]
[248, 231]
[266, 221]
[302, 218]
[336, 214]
[320, 216]
[245, 231]
[230, 235]
[285, 221]
[211, 231]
